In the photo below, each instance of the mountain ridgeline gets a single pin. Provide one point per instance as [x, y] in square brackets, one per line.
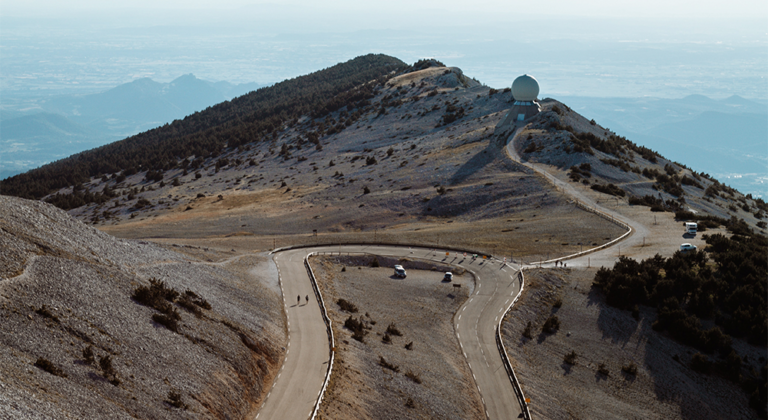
[250, 118]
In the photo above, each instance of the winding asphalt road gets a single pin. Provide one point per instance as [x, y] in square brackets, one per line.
[296, 389]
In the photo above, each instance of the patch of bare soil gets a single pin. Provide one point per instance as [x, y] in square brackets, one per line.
[606, 342]
[418, 374]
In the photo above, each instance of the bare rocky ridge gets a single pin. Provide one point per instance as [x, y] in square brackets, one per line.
[66, 287]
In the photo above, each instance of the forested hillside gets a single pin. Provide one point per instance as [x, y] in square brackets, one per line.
[249, 118]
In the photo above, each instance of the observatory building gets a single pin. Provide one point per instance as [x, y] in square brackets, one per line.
[525, 90]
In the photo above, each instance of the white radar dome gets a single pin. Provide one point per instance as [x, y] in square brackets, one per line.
[525, 88]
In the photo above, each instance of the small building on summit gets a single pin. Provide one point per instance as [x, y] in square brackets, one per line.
[525, 92]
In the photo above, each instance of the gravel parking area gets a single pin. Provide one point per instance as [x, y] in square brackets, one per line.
[428, 378]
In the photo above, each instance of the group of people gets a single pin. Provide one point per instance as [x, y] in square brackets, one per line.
[562, 264]
[298, 299]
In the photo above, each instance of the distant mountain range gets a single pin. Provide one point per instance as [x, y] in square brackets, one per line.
[57, 127]
[727, 138]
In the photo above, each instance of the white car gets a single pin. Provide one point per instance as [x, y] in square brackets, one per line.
[400, 271]
[448, 276]
[687, 247]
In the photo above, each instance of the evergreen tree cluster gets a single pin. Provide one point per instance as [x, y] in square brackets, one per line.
[687, 288]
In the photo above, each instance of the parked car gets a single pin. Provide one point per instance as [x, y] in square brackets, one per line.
[687, 247]
[400, 271]
[448, 276]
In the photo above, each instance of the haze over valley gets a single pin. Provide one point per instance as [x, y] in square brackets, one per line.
[621, 69]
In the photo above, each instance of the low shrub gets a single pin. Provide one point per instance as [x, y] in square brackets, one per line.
[409, 346]
[168, 321]
[386, 365]
[347, 306]
[392, 329]
[551, 325]
[198, 300]
[88, 355]
[49, 367]
[409, 403]
[527, 333]
[44, 312]
[156, 296]
[603, 370]
[174, 399]
[630, 369]
[609, 189]
[186, 303]
[413, 376]
[570, 358]
[105, 363]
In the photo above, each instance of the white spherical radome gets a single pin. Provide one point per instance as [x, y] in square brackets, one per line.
[525, 88]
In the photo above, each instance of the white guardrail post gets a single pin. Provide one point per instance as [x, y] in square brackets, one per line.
[331, 341]
[505, 358]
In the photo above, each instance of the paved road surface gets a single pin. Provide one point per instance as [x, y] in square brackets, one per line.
[607, 256]
[295, 391]
[301, 377]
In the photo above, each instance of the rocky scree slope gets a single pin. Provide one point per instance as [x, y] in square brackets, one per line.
[75, 344]
[597, 158]
[422, 147]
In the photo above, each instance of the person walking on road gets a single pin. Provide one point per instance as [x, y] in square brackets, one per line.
[298, 299]
[307, 297]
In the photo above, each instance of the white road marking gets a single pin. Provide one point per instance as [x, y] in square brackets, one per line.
[459, 318]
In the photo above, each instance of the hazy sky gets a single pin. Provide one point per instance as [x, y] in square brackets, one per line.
[709, 9]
